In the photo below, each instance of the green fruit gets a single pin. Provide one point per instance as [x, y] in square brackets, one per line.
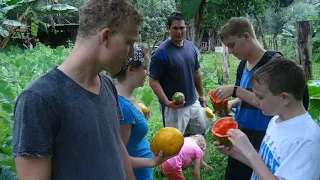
[178, 98]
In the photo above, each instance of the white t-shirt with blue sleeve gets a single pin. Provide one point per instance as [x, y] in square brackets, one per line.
[291, 149]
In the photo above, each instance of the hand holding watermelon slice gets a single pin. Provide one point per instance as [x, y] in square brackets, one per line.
[241, 142]
[220, 107]
[220, 129]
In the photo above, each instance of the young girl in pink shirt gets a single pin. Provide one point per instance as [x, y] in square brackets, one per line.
[191, 152]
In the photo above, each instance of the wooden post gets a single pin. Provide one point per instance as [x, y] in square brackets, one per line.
[304, 46]
[225, 64]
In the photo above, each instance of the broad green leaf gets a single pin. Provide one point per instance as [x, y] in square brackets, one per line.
[145, 95]
[56, 9]
[12, 2]
[189, 8]
[216, 1]
[3, 32]
[38, 4]
[7, 173]
[25, 1]
[12, 22]
[6, 92]
[314, 88]
[6, 160]
[6, 144]
[4, 10]
[3, 114]
[314, 109]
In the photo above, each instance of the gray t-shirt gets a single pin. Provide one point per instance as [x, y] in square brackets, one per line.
[56, 117]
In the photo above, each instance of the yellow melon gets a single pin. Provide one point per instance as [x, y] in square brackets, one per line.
[209, 113]
[169, 139]
[144, 108]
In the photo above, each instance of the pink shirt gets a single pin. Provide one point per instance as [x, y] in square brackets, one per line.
[187, 154]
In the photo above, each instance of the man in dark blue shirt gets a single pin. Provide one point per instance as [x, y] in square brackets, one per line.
[175, 68]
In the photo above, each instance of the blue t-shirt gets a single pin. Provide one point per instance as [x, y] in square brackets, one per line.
[251, 120]
[247, 115]
[138, 144]
[175, 68]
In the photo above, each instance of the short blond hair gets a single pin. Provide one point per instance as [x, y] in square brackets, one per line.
[96, 15]
[200, 140]
[236, 26]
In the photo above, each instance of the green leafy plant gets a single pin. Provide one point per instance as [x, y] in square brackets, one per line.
[314, 92]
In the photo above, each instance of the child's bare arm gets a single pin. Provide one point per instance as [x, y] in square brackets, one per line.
[242, 93]
[230, 151]
[204, 164]
[196, 169]
[241, 158]
[260, 168]
[140, 162]
[248, 155]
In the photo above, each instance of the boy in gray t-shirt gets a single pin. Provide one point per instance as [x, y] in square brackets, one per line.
[79, 130]
[66, 123]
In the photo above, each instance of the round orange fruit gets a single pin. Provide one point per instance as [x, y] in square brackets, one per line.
[169, 139]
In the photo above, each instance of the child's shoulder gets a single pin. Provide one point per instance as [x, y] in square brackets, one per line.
[302, 126]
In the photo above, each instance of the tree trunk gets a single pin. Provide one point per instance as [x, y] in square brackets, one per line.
[191, 34]
[198, 18]
[212, 40]
[304, 46]
[178, 5]
[225, 65]
[259, 23]
[275, 42]
[195, 32]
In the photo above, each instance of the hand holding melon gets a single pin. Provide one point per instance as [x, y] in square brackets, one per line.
[177, 101]
[220, 106]
[178, 98]
[220, 129]
[145, 110]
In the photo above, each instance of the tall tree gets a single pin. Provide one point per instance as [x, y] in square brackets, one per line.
[193, 10]
[155, 19]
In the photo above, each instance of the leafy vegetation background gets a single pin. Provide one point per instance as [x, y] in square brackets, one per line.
[19, 67]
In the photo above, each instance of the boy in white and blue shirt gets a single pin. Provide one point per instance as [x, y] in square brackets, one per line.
[290, 148]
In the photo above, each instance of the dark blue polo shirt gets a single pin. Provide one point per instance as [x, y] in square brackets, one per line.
[175, 68]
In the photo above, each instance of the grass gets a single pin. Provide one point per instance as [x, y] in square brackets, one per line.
[212, 156]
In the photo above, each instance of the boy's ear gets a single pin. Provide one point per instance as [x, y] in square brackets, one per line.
[246, 35]
[285, 97]
[130, 70]
[104, 36]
